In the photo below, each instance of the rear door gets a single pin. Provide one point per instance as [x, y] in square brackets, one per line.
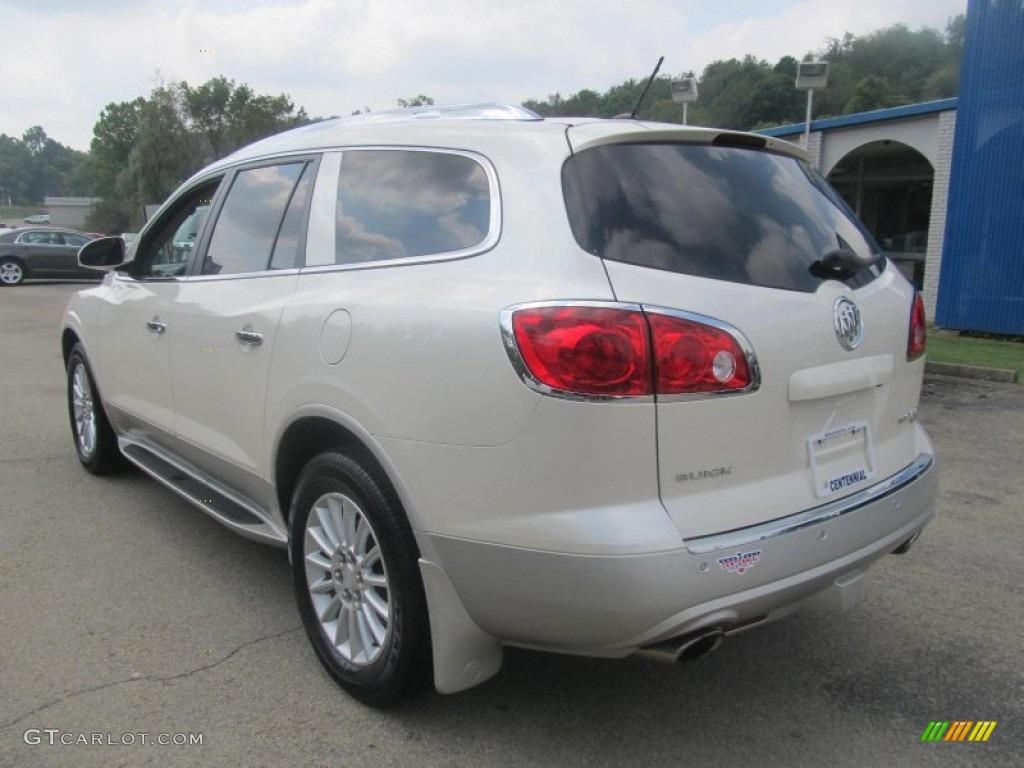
[756, 241]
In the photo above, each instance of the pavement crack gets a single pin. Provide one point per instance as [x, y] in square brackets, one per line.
[22, 459]
[145, 678]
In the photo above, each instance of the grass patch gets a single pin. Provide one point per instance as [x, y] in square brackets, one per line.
[949, 347]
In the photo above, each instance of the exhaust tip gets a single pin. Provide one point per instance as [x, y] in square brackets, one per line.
[903, 548]
[685, 648]
[701, 645]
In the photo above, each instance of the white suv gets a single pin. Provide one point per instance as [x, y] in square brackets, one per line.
[587, 386]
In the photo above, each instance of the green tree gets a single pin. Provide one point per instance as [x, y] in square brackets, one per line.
[114, 137]
[873, 92]
[415, 101]
[226, 116]
[143, 149]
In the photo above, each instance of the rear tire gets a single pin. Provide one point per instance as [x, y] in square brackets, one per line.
[12, 272]
[357, 582]
[95, 441]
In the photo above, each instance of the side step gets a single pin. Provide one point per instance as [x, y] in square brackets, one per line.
[219, 502]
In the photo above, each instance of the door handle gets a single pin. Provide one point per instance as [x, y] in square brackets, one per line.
[155, 326]
[248, 336]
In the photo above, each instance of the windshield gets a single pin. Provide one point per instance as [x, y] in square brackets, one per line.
[736, 214]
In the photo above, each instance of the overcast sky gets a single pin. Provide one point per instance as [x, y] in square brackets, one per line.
[64, 60]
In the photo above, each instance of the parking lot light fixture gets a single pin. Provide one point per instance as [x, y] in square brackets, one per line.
[811, 75]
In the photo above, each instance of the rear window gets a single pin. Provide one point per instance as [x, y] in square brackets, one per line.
[726, 213]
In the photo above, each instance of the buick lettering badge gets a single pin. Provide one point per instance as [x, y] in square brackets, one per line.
[846, 318]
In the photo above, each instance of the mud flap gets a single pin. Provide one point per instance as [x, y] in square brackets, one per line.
[464, 655]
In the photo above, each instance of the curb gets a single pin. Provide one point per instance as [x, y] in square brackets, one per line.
[972, 372]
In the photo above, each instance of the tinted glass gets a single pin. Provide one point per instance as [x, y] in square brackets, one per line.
[166, 247]
[740, 215]
[76, 240]
[286, 249]
[247, 226]
[393, 204]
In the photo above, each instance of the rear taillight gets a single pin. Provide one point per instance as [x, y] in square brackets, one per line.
[594, 350]
[693, 357]
[585, 350]
[917, 337]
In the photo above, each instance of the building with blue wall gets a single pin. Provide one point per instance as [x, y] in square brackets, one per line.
[941, 184]
[981, 286]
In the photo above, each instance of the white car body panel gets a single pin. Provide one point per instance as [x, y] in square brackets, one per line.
[509, 490]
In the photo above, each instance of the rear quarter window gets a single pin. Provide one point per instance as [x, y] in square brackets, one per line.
[725, 213]
[395, 204]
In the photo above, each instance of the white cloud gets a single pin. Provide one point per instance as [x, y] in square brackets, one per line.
[334, 56]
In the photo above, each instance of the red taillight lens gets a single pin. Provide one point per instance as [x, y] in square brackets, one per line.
[595, 350]
[692, 357]
[917, 339]
[585, 350]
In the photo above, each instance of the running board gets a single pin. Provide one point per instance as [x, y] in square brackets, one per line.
[225, 506]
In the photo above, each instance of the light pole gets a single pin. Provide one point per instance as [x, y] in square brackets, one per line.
[811, 75]
[684, 91]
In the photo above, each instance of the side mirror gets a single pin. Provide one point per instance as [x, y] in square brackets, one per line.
[105, 253]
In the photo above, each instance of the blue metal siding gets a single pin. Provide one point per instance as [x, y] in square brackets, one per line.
[981, 287]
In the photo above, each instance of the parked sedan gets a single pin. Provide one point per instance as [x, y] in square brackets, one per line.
[42, 252]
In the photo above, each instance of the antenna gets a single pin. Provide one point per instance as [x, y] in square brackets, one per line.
[647, 87]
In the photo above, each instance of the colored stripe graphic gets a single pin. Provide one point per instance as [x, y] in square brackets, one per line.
[958, 730]
[982, 730]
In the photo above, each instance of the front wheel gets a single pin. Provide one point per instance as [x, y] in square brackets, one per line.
[11, 272]
[357, 582]
[95, 441]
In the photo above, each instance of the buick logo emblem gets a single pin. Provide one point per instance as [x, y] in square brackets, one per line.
[846, 318]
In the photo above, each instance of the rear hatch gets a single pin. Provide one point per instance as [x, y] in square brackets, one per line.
[744, 231]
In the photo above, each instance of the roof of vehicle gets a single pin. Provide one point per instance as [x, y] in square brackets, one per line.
[473, 126]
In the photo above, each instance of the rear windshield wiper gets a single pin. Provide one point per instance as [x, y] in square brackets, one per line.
[841, 263]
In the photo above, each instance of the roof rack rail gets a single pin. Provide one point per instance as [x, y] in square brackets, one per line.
[482, 111]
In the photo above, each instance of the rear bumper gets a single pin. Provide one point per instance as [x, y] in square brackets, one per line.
[610, 605]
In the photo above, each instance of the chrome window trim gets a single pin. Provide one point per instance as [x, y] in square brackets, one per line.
[508, 338]
[327, 178]
[124, 277]
[741, 537]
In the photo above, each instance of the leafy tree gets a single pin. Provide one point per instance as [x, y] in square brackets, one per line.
[37, 166]
[873, 92]
[414, 101]
[226, 116]
[143, 149]
[114, 137]
[888, 67]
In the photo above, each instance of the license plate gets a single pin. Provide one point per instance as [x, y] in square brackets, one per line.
[841, 458]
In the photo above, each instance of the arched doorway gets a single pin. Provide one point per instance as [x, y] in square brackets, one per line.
[889, 186]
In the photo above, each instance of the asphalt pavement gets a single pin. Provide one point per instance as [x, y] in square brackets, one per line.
[128, 617]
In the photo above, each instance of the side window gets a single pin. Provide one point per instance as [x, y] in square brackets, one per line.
[393, 204]
[251, 219]
[287, 248]
[76, 240]
[166, 248]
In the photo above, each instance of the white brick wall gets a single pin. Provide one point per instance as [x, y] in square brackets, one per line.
[940, 198]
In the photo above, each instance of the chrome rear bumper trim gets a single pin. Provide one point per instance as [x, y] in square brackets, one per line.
[740, 537]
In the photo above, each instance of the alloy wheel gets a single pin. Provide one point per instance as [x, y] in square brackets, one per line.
[347, 579]
[84, 410]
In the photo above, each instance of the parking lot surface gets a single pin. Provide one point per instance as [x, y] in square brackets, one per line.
[125, 611]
